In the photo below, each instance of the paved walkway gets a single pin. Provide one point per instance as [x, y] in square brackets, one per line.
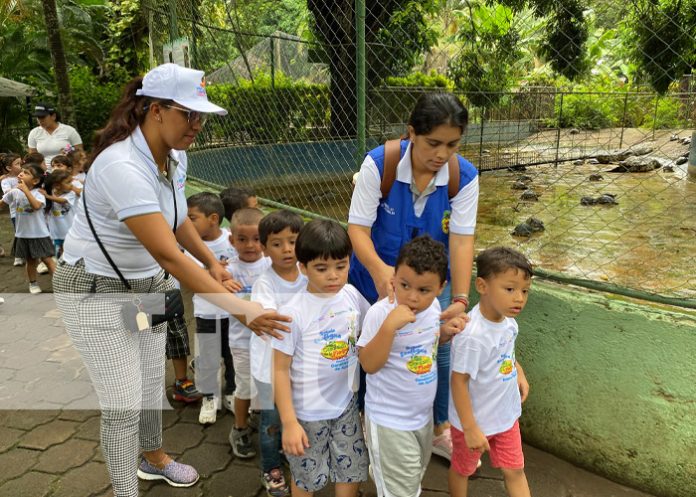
[49, 429]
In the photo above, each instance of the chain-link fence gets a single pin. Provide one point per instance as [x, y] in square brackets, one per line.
[580, 114]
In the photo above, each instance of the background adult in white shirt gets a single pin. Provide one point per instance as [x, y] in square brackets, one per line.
[51, 136]
[136, 181]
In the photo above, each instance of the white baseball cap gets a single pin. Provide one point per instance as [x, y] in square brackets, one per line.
[182, 85]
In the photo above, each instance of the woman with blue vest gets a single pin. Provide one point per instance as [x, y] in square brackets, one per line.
[414, 186]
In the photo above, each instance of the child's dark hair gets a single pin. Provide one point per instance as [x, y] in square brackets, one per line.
[322, 239]
[56, 177]
[37, 172]
[497, 260]
[235, 198]
[277, 221]
[424, 255]
[434, 109]
[248, 216]
[63, 160]
[208, 203]
[7, 161]
[33, 158]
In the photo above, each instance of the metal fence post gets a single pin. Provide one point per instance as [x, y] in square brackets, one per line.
[174, 21]
[272, 41]
[360, 76]
[623, 120]
[558, 130]
[657, 100]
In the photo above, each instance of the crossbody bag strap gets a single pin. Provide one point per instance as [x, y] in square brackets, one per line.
[101, 245]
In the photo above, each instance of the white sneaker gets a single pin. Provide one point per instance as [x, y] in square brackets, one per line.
[18, 262]
[34, 288]
[42, 268]
[228, 402]
[209, 407]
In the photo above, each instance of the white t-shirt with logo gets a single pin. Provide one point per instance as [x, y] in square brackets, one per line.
[61, 216]
[224, 251]
[52, 144]
[486, 352]
[401, 394]
[31, 223]
[322, 343]
[271, 291]
[124, 182]
[245, 273]
[8, 184]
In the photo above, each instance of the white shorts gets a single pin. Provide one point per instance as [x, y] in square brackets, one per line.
[242, 373]
[398, 458]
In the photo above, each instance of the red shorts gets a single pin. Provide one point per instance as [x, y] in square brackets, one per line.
[506, 451]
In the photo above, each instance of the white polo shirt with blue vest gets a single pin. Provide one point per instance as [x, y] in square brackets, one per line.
[407, 213]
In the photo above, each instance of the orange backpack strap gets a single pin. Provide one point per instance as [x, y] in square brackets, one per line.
[453, 184]
[392, 155]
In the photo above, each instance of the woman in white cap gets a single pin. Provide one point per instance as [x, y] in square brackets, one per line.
[51, 136]
[133, 208]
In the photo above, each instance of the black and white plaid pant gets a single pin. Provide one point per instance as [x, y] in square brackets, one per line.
[127, 368]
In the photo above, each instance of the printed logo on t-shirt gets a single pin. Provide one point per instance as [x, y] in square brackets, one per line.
[420, 363]
[25, 210]
[506, 366]
[180, 183]
[62, 211]
[335, 348]
[445, 222]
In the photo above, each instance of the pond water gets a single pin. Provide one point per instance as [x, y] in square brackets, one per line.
[645, 242]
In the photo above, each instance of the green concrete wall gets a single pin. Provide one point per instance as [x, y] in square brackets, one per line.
[613, 386]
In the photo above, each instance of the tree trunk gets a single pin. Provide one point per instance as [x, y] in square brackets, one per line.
[60, 65]
[334, 21]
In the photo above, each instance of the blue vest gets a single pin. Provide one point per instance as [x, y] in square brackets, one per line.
[397, 224]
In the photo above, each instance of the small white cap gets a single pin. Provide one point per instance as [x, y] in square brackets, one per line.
[182, 85]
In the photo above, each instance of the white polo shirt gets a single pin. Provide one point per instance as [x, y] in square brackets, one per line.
[367, 195]
[124, 182]
[52, 144]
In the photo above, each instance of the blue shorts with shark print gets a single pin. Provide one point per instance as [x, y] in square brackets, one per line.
[336, 451]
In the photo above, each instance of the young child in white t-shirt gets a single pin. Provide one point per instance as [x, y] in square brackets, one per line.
[398, 351]
[249, 266]
[65, 163]
[279, 283]
[205, 210]
[315, 368]
[11, 167]
[32, 238]
[60, 206]
[488, 384]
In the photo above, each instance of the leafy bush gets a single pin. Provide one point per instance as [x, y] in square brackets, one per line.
[269, 111]
[422, 80]
[93, 99]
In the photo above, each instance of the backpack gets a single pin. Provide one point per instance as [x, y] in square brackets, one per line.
[392, 155]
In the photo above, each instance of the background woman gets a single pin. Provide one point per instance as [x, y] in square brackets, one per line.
[51, 136]
[134, 193]
[425, 192]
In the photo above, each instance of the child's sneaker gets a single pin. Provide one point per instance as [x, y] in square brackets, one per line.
[228, 402]
[185, 391]
[442, 445]
[34, 288]
[274, 481]
[18, 262]
[209, 407]
[240, 440]
[42, 268]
